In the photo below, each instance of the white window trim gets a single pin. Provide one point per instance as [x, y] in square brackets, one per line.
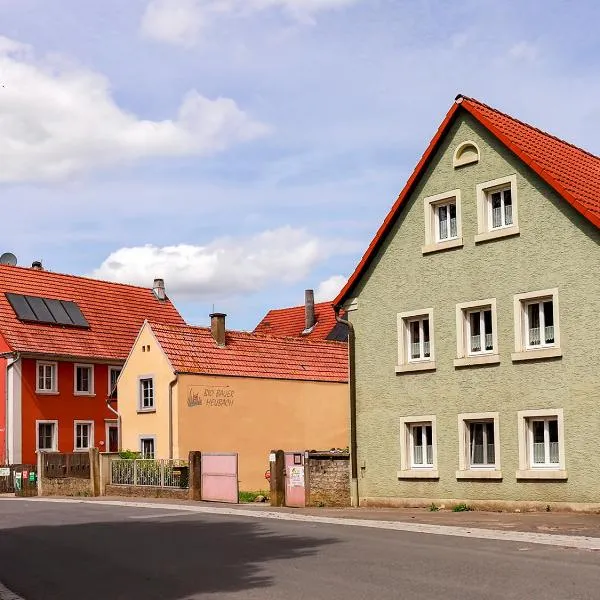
[140, 407]
[458, 161]
[147, 437]
[465, 470]
[91, 436]
[526, 471]
[484, 231]
[54, 389]
[37, 435]
[405, 365]
[521, 351]
[430, 204]
[112, 368]
[407, 471]
[463, 358]
[83, 366]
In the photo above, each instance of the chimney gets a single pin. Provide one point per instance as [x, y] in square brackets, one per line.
[217, 328]
[158, 289]
[309, 310]
[37, 265]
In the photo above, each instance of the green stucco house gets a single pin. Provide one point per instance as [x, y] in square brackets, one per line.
[476, 318]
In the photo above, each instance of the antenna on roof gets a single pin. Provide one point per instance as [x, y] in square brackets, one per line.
[8, 258]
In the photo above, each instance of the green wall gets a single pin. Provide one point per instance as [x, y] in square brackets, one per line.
[556, 248]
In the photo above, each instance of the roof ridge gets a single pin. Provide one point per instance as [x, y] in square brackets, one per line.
[330, 302]
[528, 125]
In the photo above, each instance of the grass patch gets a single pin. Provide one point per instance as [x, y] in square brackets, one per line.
[462, 507]
[246, 497]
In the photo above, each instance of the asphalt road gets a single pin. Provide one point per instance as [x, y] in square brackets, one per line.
[94, 552]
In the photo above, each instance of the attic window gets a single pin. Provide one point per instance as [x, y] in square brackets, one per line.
[34, 309]
[467, 153]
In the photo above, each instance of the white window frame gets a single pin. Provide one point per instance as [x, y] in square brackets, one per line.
[405, 363]
[527, 470]
[464, 356]
[54, 366]
[141, 407]
[55, 436]
[108, 423]
[147, 437]
[90, 424]
[77, 392]
[407, 469]
[465, 469]
[485, 231]
[523, 351]
[431, 204]
[110, 371]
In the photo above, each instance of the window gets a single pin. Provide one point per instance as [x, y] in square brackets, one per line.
[47, 439]
[497, 208]
[541, 444]
[113, 375]
[476, 333]
[442, 222]
[146, 394]
[46, 377]
[418, 451]
[479, 450]
[537, 333]
[415, 341]
[84, 435]
[147, 447]
[84, 379]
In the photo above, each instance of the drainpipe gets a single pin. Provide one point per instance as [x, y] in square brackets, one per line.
[115, 412]
[352, 385]
[9, 365]
[171, 386]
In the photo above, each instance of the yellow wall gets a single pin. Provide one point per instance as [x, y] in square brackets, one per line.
[144, 362]
[253, 416]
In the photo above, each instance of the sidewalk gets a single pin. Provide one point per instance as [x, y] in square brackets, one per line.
[563, 523]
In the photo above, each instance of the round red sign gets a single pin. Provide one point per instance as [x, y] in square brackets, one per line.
[267, 474]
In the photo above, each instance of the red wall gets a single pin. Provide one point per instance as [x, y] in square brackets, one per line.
[2, 410]
[65, 407]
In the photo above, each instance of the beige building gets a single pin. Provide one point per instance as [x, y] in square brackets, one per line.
[191, 388]
[475, 311]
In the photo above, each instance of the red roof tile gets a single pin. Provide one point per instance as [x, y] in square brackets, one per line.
[291, 321]
[114, 311]
[572, 172]
[193, 350]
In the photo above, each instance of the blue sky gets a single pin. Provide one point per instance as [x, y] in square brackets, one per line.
[245, 150]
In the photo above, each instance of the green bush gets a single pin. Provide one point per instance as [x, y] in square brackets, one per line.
[462, 507]
[252, 496]
[433, 507]
[129, 454]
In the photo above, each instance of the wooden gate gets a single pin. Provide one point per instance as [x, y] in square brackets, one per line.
[220, 477]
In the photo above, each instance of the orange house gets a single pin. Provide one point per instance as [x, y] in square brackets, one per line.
[63, 341]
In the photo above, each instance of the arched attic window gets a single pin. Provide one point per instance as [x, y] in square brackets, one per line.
[466, 154]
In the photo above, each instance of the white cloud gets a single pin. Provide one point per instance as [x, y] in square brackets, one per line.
[181, 22]
[225, 267]
[57, 120]
[330, 288]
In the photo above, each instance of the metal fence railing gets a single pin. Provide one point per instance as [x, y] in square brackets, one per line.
[171, 473]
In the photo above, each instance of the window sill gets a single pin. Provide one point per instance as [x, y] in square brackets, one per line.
[80, 450]
[536, 354]
[45, 393]
[419, 474]
[427, 365]
[441, 246]
[141, 411]
[83, 394]
[548, 474]
[495, 234]
[483, 359]
[479, 474]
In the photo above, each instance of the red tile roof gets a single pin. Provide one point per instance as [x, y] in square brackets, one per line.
[291, 321]
[193, 350]
[572, 172]
[114, 311]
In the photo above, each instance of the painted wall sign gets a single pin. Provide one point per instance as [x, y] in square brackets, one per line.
[215, 396]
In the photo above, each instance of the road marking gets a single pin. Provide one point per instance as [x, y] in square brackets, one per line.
[6, 594]
[546, 539]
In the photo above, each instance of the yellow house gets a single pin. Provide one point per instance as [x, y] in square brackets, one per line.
[193, 388]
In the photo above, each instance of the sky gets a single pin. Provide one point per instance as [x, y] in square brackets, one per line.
[245, 150]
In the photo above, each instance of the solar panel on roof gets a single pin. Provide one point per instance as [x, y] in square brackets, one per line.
[40, 309]
[21, 308]
[58, 311]
[75, 313]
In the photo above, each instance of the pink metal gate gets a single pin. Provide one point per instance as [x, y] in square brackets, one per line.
[294, 480]
[220, 477]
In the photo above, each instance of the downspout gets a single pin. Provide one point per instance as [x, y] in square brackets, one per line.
[9, 365]
[172, 384]
[352, 389]
[115, 412]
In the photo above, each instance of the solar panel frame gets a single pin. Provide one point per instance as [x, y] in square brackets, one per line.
[47, 311]
[61, 316]
[40, 308]
[21, 307]
[75, 313]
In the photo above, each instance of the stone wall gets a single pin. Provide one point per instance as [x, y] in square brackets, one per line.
[146, 491]
[66, 486]
[328, 479]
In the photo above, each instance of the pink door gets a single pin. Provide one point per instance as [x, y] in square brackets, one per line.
[294, 480]
[220, 477]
